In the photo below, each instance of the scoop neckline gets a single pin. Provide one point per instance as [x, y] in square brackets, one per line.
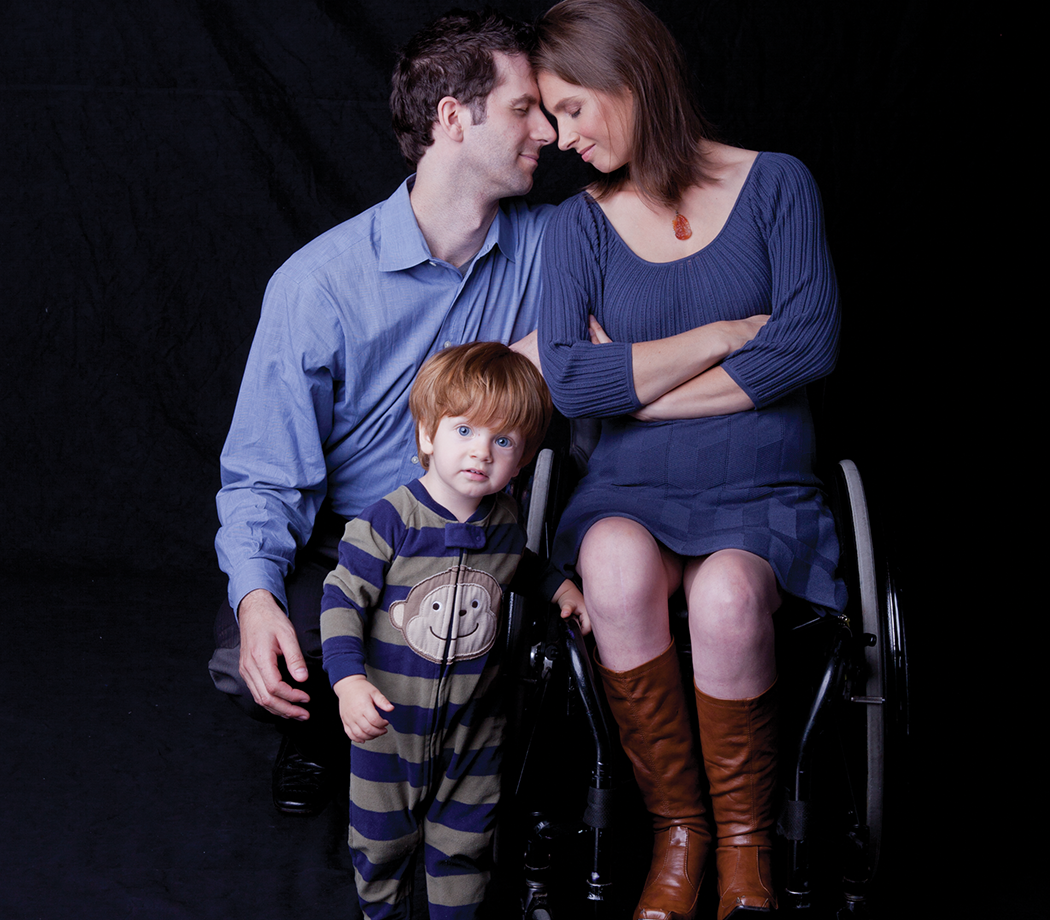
[692, 255]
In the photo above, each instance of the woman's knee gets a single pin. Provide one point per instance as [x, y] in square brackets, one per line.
[623, 565]
[616, 535]
[732, 592]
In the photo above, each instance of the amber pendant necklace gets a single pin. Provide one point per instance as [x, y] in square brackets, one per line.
[682, 230]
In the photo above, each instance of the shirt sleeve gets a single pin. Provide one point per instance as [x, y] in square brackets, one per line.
[273, 463]
[585, 380]
[354, 589]
[799, 344]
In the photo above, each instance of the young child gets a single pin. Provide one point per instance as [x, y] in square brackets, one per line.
[409, 624]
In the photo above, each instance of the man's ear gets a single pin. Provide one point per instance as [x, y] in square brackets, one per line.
[452, 118]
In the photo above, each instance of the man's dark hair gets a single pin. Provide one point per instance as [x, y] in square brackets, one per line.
[450, 57]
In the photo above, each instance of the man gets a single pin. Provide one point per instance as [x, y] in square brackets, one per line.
[322, 427]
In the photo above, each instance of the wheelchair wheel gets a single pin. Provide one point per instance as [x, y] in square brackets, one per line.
[539, 500]
[535, 498]
[878, 685]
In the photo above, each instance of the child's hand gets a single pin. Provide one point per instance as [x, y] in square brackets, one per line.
[570, 599]
[359, 702]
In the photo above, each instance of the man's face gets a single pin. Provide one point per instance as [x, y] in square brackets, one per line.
[504, 149]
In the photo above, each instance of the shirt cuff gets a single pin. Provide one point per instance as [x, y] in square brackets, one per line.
[254, 574]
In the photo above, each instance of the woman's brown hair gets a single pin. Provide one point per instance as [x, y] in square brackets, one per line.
[617, 45]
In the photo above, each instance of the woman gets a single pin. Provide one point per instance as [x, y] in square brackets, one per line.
[691, 297]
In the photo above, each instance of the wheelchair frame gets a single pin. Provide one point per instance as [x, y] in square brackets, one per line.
[855, 714]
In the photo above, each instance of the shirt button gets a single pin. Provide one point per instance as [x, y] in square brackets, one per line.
[415, 459]
[447, 344]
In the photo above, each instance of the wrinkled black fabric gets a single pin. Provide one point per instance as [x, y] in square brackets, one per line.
[161, 159]
[158, 161]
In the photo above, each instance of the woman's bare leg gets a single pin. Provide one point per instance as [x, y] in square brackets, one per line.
[732, 595]
[627, 578]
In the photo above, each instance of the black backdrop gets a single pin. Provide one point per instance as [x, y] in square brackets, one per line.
[161, 159]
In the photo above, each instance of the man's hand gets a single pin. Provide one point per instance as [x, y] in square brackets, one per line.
[266, 635]
[359, 705]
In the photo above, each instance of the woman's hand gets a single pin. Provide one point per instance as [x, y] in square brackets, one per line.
[742, 331]
[529, 347]
[597, 333]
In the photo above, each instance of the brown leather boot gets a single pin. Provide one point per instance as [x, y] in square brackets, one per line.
[739, 742]
[649, 706]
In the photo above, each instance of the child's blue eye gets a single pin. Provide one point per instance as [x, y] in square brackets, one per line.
[464, 430]
[503, 442]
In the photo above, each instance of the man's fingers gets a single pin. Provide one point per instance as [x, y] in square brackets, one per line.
[293, 657]
[270, 691]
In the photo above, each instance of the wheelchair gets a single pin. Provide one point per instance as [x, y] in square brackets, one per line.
[579, 828]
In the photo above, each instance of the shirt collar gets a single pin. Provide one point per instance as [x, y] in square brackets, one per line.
[401, 242]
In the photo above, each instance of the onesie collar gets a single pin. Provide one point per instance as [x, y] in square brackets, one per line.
[469, 534]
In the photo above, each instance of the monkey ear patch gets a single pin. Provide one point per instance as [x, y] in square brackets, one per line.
[451, 616]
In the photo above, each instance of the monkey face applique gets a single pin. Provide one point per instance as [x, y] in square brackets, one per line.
[451, 616]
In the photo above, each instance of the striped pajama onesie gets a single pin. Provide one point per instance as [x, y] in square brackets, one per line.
[415, 605]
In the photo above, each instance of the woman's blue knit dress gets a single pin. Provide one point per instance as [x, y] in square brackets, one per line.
[741, 481]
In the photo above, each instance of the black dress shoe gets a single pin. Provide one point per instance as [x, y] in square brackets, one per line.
[300, 786]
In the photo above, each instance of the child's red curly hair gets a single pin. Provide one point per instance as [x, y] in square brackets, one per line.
[486, 383]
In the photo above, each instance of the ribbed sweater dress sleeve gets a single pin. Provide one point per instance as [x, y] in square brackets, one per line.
[585, 380]
[800, 342]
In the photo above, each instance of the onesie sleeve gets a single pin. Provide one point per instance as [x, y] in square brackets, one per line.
[799, 344]
[584, 379]
[354, 589]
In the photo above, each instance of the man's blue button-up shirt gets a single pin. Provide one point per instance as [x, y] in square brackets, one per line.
[323, 408]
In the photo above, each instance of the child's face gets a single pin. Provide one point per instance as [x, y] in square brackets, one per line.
[468, 462]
